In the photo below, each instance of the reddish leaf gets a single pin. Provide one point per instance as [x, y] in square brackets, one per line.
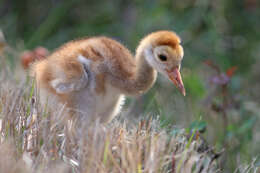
[212, 65]
[230, 72]
[40, 53]
[28, 57]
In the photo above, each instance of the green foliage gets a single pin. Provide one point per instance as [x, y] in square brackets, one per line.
[198, 126]
[194, 85]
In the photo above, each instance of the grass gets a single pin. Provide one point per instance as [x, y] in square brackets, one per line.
[41, 143]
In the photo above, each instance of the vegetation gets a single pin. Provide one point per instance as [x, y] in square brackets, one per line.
[220, 72]
[36, 139]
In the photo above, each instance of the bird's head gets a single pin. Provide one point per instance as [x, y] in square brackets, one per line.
[164, 53]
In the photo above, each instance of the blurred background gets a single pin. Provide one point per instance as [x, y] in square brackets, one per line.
[221, 66]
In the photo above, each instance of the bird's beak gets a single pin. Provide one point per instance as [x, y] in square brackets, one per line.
[175, 77]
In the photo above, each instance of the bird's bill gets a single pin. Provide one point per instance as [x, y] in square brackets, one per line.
[175, 76]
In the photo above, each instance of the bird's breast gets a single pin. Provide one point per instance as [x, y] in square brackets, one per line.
[93, 104]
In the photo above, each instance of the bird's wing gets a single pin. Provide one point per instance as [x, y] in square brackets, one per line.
[65, 85]
[62, 86]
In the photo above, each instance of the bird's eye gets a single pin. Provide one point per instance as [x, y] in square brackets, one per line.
[162, 57]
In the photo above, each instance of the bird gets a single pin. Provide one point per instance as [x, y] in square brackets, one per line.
[91, 76]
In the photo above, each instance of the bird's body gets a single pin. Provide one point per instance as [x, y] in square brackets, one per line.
[91, 76]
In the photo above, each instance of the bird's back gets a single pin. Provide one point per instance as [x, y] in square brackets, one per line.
[102, 51]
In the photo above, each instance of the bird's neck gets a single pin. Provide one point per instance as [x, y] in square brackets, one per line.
[144, 77]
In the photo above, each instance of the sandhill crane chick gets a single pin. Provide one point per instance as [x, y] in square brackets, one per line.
[91, 76]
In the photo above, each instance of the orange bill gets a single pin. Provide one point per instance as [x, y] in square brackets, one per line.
[175, 77]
